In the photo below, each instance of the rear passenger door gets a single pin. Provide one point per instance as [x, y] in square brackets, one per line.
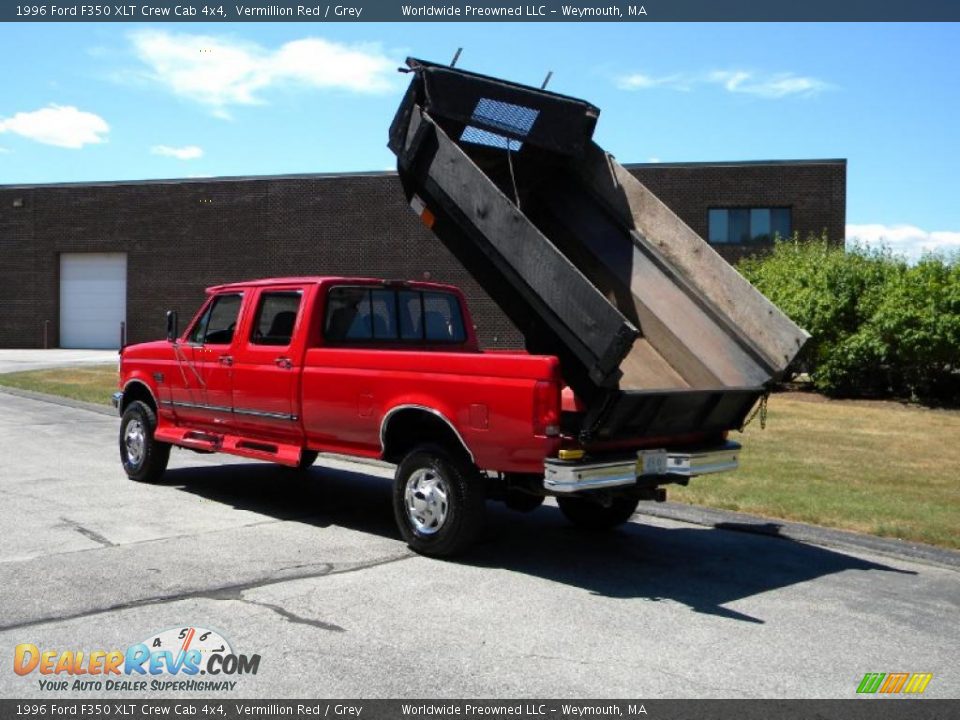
[267, 366]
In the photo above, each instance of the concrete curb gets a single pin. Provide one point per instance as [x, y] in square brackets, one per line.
[801, 532]
[679, 512]
[58, 400]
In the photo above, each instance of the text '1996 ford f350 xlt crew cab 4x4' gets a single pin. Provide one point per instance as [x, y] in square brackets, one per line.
[644, 348]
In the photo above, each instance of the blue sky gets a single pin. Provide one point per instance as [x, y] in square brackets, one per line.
[84, 102]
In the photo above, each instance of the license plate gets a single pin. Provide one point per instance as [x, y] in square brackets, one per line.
[652, 462]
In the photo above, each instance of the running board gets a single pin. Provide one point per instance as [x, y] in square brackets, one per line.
[282, 453]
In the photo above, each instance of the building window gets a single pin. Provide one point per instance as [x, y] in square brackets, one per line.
[743, 226]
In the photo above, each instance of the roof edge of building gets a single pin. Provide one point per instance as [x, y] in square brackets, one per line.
[739, 163]
[200, 180]
[379, 173]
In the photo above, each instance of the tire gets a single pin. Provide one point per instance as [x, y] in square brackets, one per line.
[590, 515]
[144, 459]
[438, 501]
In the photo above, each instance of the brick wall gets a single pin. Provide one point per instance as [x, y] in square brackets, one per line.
[182, 236]
[816, 192]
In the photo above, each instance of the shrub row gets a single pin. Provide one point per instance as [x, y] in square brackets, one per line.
[880, 327]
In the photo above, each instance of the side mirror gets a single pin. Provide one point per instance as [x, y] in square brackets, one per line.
[172, 329]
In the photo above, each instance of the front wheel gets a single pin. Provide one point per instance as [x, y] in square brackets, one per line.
[143, 457]
[438, 501]
[592, 515]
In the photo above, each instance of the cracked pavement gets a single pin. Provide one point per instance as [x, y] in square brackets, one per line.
[309, 573]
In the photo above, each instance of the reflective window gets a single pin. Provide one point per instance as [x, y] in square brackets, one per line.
[384, 309]
[276, 318]
[216, 325]
[404, 316]
[742, 226]
[411, 315]
[348, 314]
[719, 229]
[441, 318]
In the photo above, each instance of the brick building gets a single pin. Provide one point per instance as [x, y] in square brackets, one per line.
[77, 260]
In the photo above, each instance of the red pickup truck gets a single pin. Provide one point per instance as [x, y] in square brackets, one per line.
[644, 348]
[286, 368]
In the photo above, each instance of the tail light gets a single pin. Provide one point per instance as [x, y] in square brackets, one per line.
[546, 408]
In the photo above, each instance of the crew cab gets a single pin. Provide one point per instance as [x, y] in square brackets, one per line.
[283, 369]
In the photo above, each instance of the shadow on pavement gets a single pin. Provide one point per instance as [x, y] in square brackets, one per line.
[321, 496]
[703, 568]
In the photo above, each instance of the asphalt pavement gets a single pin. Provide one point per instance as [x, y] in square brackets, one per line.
[310, 574]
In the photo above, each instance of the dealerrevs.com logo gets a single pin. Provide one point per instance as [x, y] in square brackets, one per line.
[168, 661]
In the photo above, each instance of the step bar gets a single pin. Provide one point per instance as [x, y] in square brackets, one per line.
[271, 451]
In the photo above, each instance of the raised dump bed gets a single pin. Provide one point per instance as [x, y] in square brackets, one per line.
[656, 333]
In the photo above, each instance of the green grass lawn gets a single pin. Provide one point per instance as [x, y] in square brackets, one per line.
[873, 467]
[92, 383]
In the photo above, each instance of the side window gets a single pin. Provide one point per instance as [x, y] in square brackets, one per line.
[216, 325]
[200, 329]
[442, 319]
[384, 305]
[408, 316]
[276, 316]
[411, 315]
[348, 315]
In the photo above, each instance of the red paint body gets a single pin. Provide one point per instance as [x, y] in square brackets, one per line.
[272, 402]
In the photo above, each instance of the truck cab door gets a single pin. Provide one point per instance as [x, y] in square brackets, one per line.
[203, 393]
[266, 371]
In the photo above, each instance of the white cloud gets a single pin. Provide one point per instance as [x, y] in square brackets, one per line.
[906, 240]
[188, 152]
[60, 125]
[768, 86]
[775, 85]
[653, 159]
[4, 151]
[640, 81]
[219, 72]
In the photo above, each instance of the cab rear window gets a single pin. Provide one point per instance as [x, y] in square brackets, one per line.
[376, 315]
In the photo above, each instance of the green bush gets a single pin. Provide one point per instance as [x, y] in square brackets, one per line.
[879, 326]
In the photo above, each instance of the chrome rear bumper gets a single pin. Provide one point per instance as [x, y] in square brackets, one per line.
[562, 476]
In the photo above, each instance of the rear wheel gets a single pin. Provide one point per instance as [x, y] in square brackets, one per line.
[438, 501]
[592, 515]
[144, 458]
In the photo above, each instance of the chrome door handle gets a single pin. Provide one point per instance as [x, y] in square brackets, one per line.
[284, 362]
[226, 360]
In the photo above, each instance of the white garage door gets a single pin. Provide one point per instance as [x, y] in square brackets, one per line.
[93, 299]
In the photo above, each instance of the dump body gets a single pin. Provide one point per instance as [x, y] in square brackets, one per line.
[655, 332]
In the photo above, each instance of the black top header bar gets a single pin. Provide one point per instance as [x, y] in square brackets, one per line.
[481, 11]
